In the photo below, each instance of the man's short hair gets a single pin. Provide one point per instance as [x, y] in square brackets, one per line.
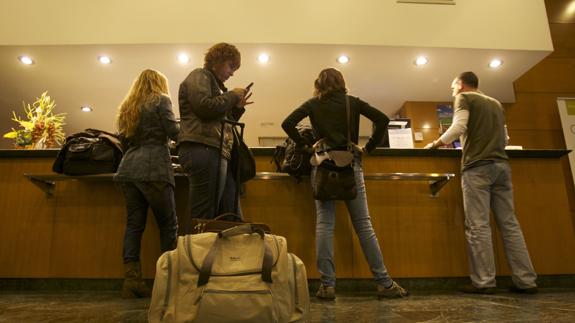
[469, 79]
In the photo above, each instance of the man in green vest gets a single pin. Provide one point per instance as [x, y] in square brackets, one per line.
[479, 122]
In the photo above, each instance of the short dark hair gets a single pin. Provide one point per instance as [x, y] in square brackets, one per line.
[220, 53]
[469, 79]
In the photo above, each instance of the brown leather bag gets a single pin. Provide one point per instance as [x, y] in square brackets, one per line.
[218, 224]
[334, 183]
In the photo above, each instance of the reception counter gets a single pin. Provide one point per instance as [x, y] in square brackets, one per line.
[76, 231]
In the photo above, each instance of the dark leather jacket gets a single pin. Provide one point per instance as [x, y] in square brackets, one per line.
[204, 103]
[147, 155]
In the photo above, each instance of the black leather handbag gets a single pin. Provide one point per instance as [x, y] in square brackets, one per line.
[243, 158]
[89, 152]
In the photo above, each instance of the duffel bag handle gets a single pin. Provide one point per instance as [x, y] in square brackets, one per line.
[240, 229]
[267, 263]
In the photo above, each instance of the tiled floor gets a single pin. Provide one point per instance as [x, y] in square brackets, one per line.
[104, 306]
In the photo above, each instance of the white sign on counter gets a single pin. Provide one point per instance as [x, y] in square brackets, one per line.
[400, 138]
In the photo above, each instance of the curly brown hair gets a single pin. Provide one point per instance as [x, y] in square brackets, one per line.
[220, 53]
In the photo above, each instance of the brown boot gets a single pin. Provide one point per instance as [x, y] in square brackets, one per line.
[134, 285]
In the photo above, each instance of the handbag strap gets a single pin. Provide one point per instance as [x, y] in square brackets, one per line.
[348, 114]
[236, 137]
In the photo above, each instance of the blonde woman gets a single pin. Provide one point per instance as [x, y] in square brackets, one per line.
[145, 122]
[328, 116]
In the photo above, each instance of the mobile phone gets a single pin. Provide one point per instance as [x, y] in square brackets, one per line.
[249, 86]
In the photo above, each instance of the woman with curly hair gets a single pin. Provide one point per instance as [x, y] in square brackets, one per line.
[146, 122]
[204, 103]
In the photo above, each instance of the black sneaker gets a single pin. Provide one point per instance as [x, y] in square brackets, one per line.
[529, 290]
[470, 289]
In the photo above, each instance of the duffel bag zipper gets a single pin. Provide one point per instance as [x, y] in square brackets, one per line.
[219, 291]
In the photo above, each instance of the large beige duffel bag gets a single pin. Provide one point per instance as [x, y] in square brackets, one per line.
[233, 276]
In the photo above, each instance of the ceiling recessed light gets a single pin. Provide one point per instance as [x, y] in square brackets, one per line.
[183, 58]
[495, 63]
[426, 126]
[343, 59]
[263, 58]
[26, 60]
[421, 60]
[105, 59]
[570, 8]
[86, 109]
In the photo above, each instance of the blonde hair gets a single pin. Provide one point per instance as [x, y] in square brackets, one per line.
[328, 81]
[146, 89]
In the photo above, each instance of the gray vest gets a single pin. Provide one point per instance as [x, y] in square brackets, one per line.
[484, 140]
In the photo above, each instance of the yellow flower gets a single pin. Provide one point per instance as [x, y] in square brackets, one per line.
[41, 125]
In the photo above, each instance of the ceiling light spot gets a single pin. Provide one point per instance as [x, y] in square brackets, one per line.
[183, 58]
[104, 59]
[26, 60]
[421, 60]
[343, 59]
[570, 8]
[495, 63]
[86, 109]
[426, 126]
[263, 58]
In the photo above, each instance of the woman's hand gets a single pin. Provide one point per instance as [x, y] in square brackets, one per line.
[243, 95]
[359, 149]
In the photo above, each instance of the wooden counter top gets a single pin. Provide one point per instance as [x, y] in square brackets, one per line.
[268, 151]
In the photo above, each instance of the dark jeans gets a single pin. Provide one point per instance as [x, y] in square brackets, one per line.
[200, 163]
[160, 198]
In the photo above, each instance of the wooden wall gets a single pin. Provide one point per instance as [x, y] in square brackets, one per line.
[78, 233]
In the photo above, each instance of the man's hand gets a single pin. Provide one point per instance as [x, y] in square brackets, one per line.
[434, 144]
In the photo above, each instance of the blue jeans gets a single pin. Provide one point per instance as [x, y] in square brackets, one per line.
[160, 198]
[361, 221]
[200, 162]
[489, 187]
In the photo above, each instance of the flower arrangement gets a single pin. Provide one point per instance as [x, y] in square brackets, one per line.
[41, 128]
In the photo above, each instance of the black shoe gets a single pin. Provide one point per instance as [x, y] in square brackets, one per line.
[530, 290]
[325, 292]
[470, 289]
